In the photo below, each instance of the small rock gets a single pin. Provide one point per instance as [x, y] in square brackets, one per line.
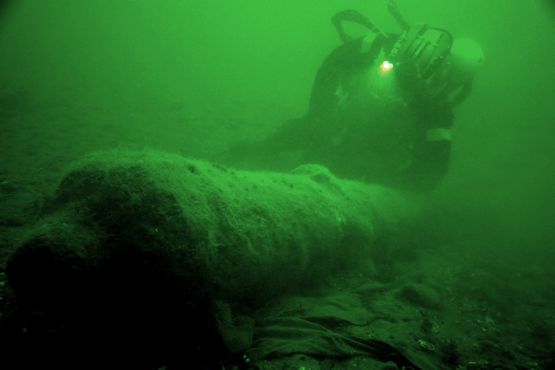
[425, 345]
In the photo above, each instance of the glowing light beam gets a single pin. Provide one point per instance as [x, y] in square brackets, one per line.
[386, 67]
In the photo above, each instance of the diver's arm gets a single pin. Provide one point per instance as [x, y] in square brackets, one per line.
[355, 17]
[462, 94]
[432, 150]
[394, 10]
[429, 165]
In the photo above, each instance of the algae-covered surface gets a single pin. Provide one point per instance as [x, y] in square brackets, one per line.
[467, 284]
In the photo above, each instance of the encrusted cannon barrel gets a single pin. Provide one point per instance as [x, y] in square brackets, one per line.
[142, 238]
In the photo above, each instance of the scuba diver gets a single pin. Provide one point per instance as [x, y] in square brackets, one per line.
[381, 107]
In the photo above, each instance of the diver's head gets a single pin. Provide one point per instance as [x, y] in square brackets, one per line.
[465, 59]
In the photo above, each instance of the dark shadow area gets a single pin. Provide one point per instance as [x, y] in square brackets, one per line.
[4, 5]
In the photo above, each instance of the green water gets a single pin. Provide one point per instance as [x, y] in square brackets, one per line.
[194, 77]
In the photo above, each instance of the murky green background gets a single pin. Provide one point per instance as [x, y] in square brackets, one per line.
[193, 76]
